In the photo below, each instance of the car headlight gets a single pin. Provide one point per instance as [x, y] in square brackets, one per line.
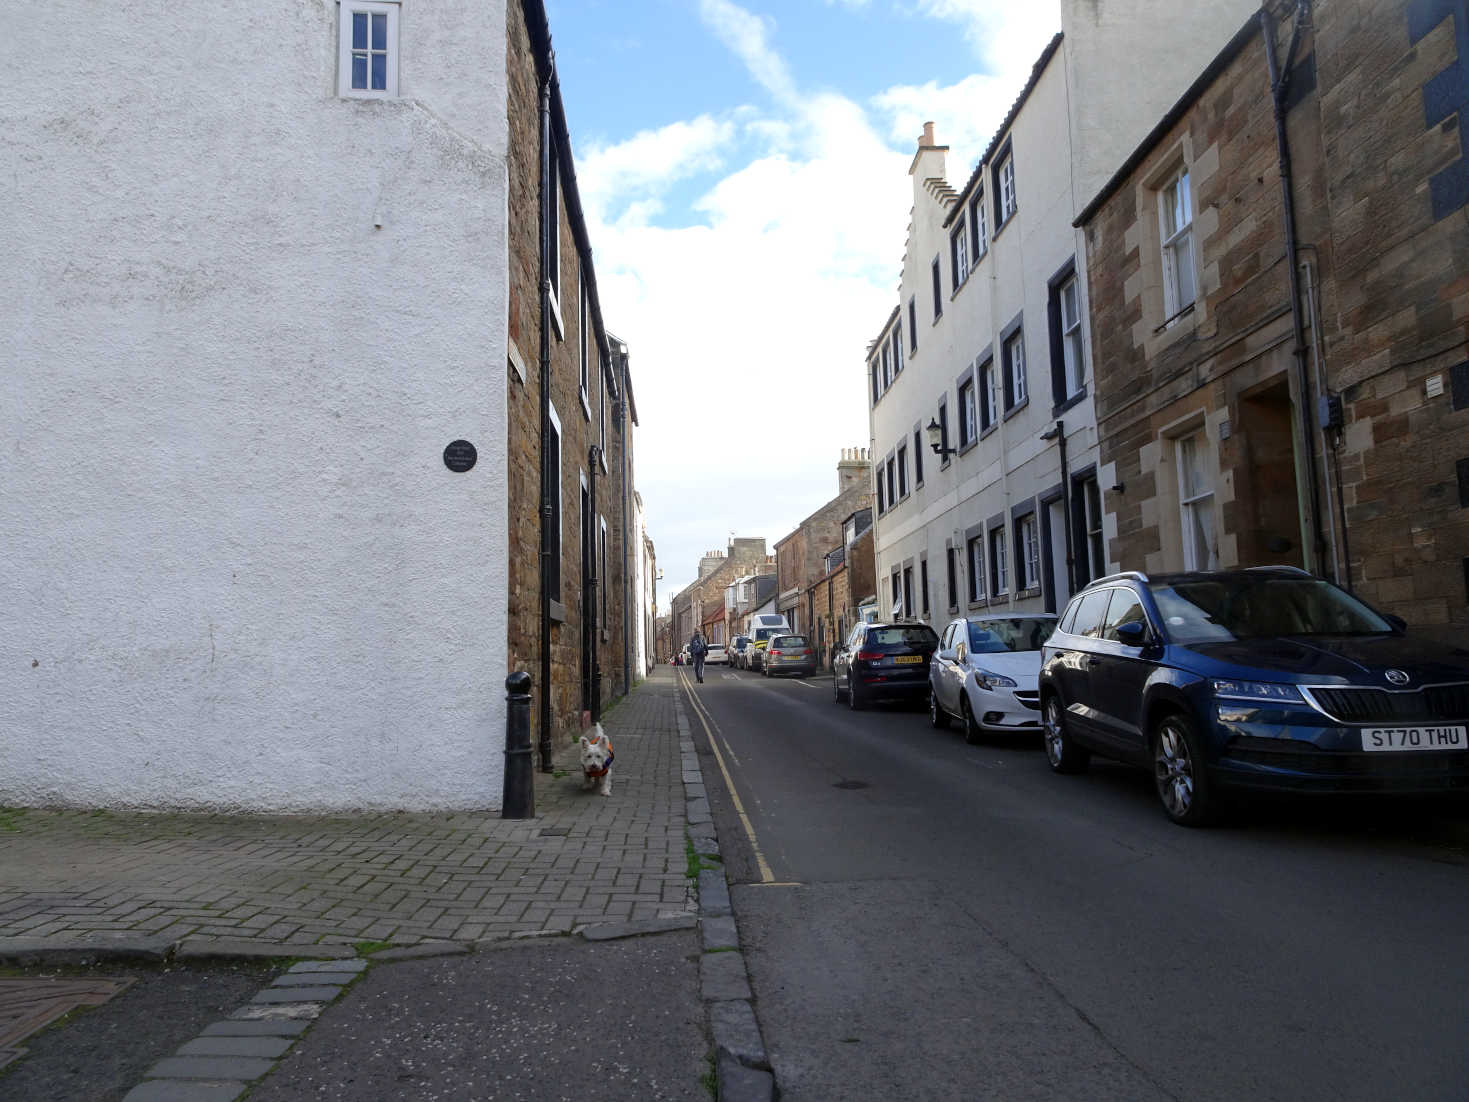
[1257, 690]
[993, 681]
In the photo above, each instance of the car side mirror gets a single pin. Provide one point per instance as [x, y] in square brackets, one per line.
[947, 655]
[1133, 634]
[960, 651]
[1398, 623]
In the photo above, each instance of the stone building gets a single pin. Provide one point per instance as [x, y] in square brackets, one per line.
[692, 605]
[800, 556]
[1286, 382]
[570, 417]
[265, 321]
[833, 599]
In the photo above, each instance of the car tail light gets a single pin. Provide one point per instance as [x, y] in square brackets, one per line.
[806, 651]
[775, 654]
[869, 656]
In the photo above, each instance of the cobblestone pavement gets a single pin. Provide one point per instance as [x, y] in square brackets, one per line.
[400, 878]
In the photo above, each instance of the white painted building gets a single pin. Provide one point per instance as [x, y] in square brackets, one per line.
[255, 283]
[989, 341]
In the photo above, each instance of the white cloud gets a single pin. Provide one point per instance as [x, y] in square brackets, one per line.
[650, 162]
[748, 332]
[1005, 35]
[747, 36]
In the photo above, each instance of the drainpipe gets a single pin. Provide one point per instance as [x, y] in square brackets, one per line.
[589, 616]
[1334, 508]
[547, 490]
[1279, 89]
[629, 560]
[1059, 432]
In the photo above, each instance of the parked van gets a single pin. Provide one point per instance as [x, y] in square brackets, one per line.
[762, 627]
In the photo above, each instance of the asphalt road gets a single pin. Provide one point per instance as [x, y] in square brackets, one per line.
[925, 919]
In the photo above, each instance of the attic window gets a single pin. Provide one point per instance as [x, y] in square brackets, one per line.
[367, 49]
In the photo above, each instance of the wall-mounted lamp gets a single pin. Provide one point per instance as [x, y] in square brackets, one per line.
[936, 439]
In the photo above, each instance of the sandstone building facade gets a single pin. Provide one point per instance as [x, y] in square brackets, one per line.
[1281, 368]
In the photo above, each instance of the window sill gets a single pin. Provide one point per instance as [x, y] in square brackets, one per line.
[1017, 407]
[989, 431]
[999, 229]
[1075, 399]
[965, 449]
[586, 406]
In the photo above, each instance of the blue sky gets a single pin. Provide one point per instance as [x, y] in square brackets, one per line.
[744, 170]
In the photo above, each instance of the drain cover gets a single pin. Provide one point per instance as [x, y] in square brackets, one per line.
[555, 832]
[28, 1005]
[850, 784]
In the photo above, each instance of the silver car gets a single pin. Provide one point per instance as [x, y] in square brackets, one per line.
[985, 674]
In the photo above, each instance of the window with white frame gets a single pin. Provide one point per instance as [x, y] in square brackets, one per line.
[989, 395]
[959, 252]
[887, 367]
[999, 563]
[583, 337]
[1093, 548]
[1071, 347]
[953, 583]
[1176, 232]
[938, 290]
[897, 349]
[1015, 391]
[912, 324]
[967, 431]
[917, 458]
[1029, 543]
[974, 550]
[553, 463]
[876, 381]
[1196, 502]
[979, 238]
[367, 49]
[1007, 188]
[892, 482]
[902, 470]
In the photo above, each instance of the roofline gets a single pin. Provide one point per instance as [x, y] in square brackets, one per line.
[883, 332]
[1211, 73]
[539, 28]
[1036, 71]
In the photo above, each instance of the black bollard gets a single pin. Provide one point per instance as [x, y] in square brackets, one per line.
[519, 799]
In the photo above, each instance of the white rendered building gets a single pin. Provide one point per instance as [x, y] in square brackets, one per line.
[255, 285]
[990, 340]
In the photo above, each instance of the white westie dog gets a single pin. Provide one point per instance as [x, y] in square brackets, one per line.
[596, 761]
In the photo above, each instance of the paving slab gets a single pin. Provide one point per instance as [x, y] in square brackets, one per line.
[269, 1027]
[210, 1067]
[722, 977]
[196, 948]
[268, 1048]
[612, 931]
[296, 995]
[179, 1090]
[328, 966]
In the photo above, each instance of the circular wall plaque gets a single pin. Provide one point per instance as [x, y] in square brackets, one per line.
[460, 456]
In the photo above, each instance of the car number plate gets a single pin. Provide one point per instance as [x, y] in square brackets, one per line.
[906, 659]
[1414, 738]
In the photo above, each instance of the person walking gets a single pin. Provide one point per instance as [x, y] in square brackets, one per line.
[697, 650]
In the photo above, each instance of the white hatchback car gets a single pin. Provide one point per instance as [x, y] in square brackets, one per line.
[716, 655]
[985, 674]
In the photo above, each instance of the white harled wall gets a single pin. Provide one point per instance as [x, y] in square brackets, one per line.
[242, 319]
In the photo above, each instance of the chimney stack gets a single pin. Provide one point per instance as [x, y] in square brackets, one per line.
[853, 472]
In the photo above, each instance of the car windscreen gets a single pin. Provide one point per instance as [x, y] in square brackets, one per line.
[1018, 634]
[1217, 610]
[916, 635]
[763, 634]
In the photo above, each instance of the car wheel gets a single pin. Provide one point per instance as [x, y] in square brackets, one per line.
[855, 700]
[938, 719]
[973, 733]
[1180, 774]
[1062, 752]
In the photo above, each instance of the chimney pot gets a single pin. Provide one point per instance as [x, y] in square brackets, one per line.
[927, 138]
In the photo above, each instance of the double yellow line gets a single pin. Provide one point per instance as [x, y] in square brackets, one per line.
[766, 876]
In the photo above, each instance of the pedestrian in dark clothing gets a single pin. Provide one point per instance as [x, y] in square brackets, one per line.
[697, 650]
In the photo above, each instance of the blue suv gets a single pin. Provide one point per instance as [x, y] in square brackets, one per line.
[1268, 678]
